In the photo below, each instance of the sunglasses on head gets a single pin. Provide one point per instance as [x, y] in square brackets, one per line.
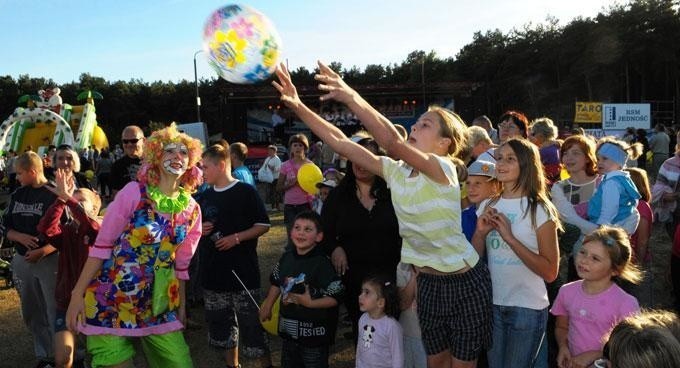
[131, 141]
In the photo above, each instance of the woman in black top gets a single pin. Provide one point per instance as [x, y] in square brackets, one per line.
[360, 231]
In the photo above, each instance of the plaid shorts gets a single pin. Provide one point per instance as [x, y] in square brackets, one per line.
[233, 320]
[455, 312]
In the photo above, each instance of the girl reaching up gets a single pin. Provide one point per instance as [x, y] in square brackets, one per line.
[454, 288]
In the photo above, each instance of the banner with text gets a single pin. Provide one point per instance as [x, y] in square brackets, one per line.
[622, 116]
[588, 112]
[599, 133]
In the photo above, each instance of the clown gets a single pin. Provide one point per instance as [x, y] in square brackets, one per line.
[132, 284]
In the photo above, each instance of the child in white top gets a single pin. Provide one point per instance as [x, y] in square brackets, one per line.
[380, 342]
[587, 309]
[518, 229]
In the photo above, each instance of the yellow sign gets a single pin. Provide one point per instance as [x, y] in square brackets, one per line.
[588, 112]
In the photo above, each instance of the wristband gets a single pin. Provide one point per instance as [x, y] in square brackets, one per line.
[238, 241]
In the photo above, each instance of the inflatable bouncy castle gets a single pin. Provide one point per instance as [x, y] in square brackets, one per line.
[46, 120]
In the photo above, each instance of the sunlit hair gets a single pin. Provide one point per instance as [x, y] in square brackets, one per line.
[387, 289]
[531, 180]
[477, 134]
[587, 146]
[30, 160]
[545, 127]
[639, 341]
[518, 119]
[402, 131]
[634, 150]
[218, 152]
[153, 156]
[451, 126]
[617, 243]
[74, 155]
[94, 200]
[240, 150]
[299, 138]
[659, 317]
[639, 177]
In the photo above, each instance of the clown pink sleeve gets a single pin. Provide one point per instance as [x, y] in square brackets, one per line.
[117, 216]
[188, 247]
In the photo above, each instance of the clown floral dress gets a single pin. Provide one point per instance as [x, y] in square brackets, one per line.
[118, 301]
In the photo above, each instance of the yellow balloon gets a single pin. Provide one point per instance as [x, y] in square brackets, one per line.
[89, 174]
[308, 176]
[272, 326]
[564, 174]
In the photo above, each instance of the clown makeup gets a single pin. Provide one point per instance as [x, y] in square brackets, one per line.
[175, 158]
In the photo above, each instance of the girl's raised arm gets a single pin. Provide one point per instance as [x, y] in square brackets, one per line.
[383, 131]
[328, 132]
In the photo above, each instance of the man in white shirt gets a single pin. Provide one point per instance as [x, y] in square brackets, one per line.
[659, 144]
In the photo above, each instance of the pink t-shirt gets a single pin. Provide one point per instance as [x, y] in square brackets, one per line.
[591, 316]
[117, 217]
[294, 195]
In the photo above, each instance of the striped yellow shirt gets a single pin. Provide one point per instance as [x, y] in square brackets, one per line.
[429, 217]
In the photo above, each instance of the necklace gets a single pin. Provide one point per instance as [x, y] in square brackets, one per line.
[168, 204]
[366, 200]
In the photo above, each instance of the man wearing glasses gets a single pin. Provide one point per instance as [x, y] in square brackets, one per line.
[124, 170]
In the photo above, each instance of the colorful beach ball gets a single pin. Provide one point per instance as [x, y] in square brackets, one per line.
[241, 44]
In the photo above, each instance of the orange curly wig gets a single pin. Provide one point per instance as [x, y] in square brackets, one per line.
[153, 154]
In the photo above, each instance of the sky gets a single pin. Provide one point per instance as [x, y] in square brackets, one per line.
[156, 40]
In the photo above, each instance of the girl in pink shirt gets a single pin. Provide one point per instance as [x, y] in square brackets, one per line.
[295, 200]
[587, 309]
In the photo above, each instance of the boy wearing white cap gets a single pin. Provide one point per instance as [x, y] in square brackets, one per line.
[324, 188]
[481, 184]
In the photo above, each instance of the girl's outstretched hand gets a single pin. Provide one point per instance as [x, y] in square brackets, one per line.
[332, 83]
[286, 88]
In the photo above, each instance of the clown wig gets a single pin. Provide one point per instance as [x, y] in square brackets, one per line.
[149, 173]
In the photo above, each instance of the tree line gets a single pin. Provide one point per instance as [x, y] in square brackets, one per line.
[627, 53]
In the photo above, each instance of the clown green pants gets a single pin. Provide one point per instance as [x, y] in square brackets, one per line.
[168, 350]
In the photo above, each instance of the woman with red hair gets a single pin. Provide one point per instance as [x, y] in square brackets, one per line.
[571, 196]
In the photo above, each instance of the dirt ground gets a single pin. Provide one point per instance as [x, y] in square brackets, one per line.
[16, 345]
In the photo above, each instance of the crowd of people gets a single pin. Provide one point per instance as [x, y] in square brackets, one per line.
[443, 243]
